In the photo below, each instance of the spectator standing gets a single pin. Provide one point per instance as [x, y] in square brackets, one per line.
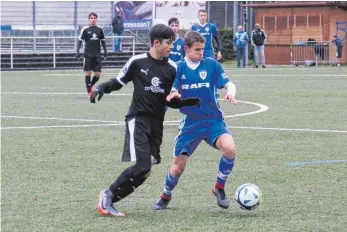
[118, 29]
[240, 41]
[258, 39]
[339, 47]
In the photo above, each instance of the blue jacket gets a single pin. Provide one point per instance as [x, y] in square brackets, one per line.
[240, 39]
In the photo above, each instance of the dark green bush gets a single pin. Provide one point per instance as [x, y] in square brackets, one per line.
[226, 37]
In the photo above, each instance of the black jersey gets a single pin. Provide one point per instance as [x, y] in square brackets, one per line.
[92, 35]
[152, 79]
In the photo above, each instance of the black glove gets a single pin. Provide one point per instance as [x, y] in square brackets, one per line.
[100, 90]
[177, 103]
[105, 56]
[194, 101]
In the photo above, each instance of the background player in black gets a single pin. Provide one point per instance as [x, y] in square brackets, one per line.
[152, 74]
[91, 35]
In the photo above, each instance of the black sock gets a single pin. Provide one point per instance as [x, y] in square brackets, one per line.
[94, 80]
[126, 183]
[88, 84]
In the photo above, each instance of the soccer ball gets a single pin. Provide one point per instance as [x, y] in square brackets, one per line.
[248, 196]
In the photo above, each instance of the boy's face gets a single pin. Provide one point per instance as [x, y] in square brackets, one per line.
[92, 20]
[175, 27]
[164, 47]
[195, 52]
[202, 17]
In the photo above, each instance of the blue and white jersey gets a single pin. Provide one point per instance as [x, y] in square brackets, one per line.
[177, 53]
[209, 30]
[200, 80]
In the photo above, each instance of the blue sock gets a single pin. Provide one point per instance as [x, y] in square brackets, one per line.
[170, 184]
[224, 170]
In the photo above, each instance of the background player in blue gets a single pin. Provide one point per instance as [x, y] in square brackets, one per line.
[209, 31]
[197, 77]
[177, 53]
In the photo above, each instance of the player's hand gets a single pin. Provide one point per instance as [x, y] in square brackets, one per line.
[219, 56]
[230, 99]
[105, 56]
[98, 91]
[174, 94]
[78, 57]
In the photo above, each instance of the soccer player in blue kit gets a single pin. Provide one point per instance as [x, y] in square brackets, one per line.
[198, 77]
[177, 53]
[209, 31]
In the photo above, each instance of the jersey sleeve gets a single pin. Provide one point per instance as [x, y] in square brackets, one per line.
[125, 75]
[214, 30]
[183, 53]
[221, 76]
[83, 34]
[102, 34]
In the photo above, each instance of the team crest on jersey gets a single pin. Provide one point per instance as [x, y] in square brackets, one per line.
[94, 37]
[203, 74]
[178, 47]
[207, 29]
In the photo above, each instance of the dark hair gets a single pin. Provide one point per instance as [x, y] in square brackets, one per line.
[202, 10]
[192, 37]
[160, 32]
[173, 20]
[92, 14]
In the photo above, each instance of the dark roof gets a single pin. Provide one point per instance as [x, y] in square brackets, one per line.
[341, 4]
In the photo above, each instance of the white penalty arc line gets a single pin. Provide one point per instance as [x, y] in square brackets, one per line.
[262, 108]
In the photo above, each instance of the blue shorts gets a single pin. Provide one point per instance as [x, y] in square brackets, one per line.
[193, 132]
[209, 53]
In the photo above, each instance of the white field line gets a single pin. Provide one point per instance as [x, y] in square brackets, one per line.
[58, 126]
[176, 124]
[50, 93]
[60, 119]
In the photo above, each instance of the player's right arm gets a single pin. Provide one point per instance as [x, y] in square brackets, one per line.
[81, 38]
[125, 75]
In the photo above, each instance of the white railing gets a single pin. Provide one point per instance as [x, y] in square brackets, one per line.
[55, 45]
[313, 53]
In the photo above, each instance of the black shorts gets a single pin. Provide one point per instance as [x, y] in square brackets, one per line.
[143, 137]
[92, 64]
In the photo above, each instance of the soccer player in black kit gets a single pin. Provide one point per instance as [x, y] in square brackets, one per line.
[91, 35]
[152, 74]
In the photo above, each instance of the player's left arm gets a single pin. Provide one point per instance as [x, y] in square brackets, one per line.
[215, 35]
[224, 82]
[103, 43]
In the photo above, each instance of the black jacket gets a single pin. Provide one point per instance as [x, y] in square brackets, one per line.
[118, 25]
[258, 37]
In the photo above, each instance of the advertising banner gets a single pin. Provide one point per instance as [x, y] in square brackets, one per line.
[185, 11]
[137, 14]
